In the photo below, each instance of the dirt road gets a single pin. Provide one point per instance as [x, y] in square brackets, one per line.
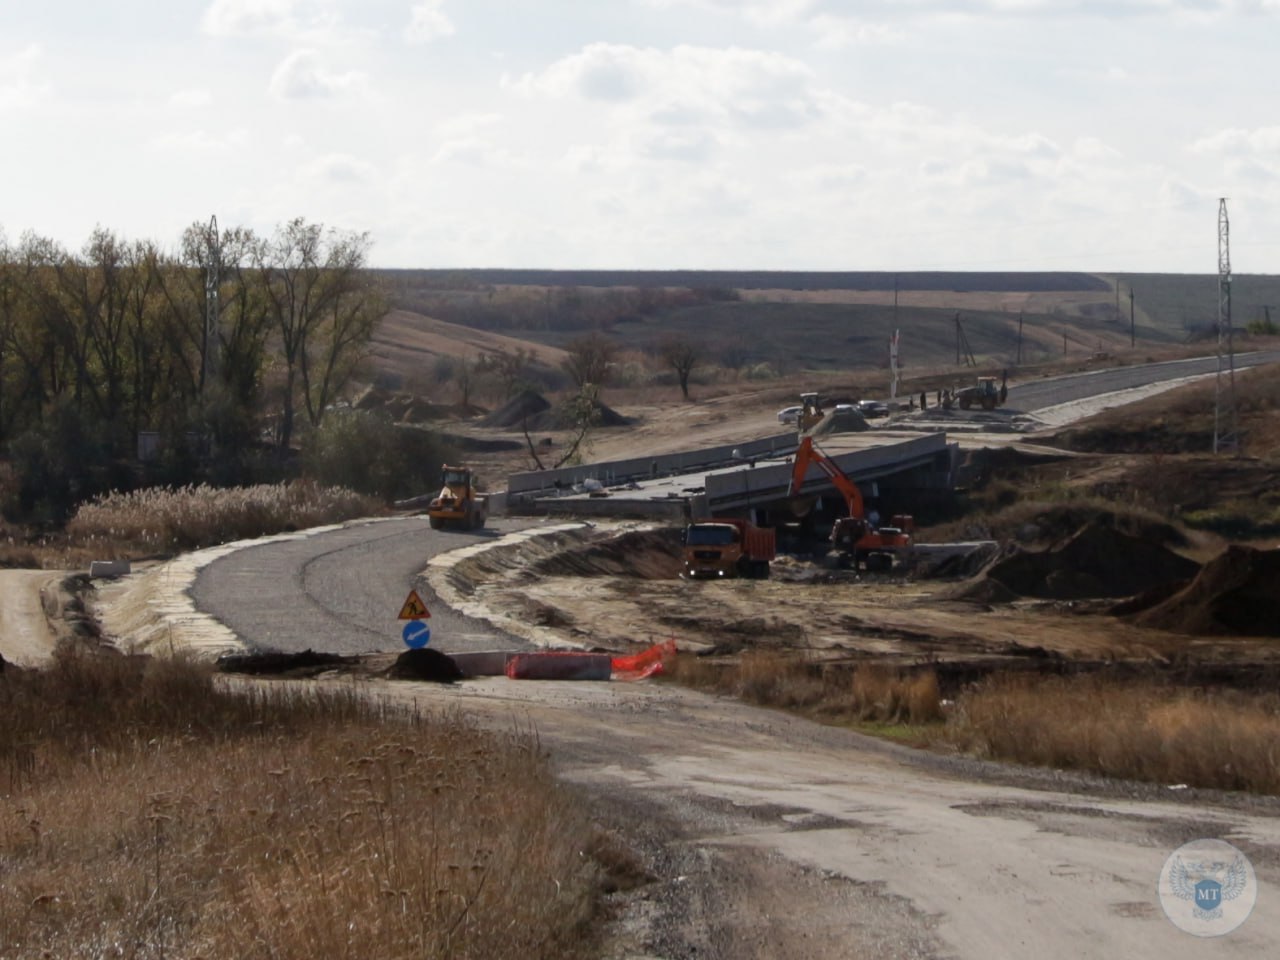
[771, 836]
[788, 839]
[25, 637]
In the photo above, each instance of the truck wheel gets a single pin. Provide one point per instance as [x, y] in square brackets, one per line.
[480, 518]
[436, 523]
[879, 563]
[988, 403]
[762, 569]
[964, 403]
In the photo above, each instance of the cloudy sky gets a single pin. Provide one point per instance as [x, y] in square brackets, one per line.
[735, 134]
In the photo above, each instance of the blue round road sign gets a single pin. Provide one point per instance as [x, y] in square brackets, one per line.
[416, 634]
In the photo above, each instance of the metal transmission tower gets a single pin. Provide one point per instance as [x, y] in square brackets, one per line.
[212, 282]
[1224, 405]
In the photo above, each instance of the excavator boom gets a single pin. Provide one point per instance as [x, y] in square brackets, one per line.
[808, 454]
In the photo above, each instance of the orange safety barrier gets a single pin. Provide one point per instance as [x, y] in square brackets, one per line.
[645, 664]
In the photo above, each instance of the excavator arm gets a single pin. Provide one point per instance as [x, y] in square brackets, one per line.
[808, 454]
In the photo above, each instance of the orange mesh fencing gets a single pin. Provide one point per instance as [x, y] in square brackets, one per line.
[645, 664]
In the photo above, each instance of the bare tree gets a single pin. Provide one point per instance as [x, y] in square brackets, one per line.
[589, 359]
[682, 355]
[510, 370]
[584, 412]
[322, 308]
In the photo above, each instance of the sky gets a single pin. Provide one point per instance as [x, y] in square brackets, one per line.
[891, 135]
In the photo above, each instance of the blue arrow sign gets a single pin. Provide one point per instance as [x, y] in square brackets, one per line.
[416, 634]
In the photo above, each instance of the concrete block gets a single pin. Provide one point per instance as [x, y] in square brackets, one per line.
[109, 568]
[483, 663]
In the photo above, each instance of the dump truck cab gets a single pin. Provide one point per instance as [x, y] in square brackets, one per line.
[727, 548]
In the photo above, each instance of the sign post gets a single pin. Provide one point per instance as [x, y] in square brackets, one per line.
[415, 634]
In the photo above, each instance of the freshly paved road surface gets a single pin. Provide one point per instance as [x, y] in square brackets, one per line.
[341, 591]
[1038, 394]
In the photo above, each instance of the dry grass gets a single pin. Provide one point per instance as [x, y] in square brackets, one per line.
[832, 692]
[164, 520]
[1141, 731]
[146, 811]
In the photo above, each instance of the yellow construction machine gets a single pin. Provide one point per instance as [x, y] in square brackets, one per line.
[458, 505]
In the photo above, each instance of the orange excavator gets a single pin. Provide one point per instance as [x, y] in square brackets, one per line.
[853, 537]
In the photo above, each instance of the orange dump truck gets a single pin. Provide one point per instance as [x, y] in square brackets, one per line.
[728, 547]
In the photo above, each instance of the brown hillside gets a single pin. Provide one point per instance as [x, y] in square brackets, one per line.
[405, 345]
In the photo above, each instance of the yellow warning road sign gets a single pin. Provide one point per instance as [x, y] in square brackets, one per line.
[414, 608]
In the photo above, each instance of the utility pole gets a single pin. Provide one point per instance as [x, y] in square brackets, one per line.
[1019, 339]
[1224, 400]
[962, 346]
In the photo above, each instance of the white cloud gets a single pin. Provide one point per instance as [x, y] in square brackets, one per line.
[837, 33]
[193, 97]
[770, 14]
[303, 75]
[686, 84]
[428, 21]
[19, 86]
[200, 143]
[341, 168]
[1261, 140]
[249, 18]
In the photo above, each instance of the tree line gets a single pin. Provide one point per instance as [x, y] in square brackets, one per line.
[99, 345]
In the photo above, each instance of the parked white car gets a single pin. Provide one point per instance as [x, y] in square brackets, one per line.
[790, 414]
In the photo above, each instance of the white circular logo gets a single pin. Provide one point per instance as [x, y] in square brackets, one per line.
[1207, 888]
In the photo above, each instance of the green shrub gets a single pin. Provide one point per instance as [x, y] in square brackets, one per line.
[364, 451]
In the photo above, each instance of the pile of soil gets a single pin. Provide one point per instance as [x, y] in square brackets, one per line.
[1098, 561]
[648, 554]
[304, 664]
[1061, 522]
[531, 410]
[425, 664]
[520, 409]
[1236, 594]
[409, 407]
[846, 421]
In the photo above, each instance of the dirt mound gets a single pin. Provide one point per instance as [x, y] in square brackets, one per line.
[1060, 523]
[1237, 593]
[425, 664]
[843, 421]
[306, 663]
[533, 411]
[522, 408]
[1098, 561]
[648, 554]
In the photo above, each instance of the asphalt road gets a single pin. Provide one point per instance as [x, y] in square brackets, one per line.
[1038, 394]
[341, 591]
